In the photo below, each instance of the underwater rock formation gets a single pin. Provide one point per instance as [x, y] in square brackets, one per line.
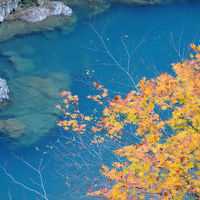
[22, 64]
[35, 14]
[12, 128]
[139, 2]
[31, 112]
[97, 6]
[3, 91]
[16, 60]
[9, 29]
[93, 7]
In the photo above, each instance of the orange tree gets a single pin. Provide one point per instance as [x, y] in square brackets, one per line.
[164, 114]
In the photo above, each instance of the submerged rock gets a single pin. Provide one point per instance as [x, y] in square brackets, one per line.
[37, 126]
[4, 91]
[22, 64]
[16, 60]
[35, 14]
[9, 29]
[93, 7]
[139, 2]
[32, 107]
[17, 48]
[12, 128]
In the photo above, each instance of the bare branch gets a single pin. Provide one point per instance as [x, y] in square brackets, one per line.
[42, 194]
[113, 58]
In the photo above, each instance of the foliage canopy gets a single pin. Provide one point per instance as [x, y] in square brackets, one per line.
[164, 114]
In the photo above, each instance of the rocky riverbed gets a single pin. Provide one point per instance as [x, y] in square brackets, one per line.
[27, 108]
[31, 112]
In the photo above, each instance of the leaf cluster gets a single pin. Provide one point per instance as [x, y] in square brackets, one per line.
[165, 114]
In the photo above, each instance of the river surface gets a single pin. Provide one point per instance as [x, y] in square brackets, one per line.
[38, 66]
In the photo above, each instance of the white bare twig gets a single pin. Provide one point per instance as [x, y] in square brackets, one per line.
[9, 195]
[180, 46]
[38, 170]
[126, 71]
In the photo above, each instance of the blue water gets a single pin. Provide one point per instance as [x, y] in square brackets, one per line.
[158, 36]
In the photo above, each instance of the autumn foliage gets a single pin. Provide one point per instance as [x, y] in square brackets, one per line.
[164, 115]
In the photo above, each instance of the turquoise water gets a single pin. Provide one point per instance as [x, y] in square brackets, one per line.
[38, 66]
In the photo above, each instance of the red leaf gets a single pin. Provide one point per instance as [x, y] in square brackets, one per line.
[89, 189]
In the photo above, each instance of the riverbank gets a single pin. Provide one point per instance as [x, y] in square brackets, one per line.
[19, 17]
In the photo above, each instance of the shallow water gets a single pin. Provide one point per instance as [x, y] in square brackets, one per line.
[40, 65]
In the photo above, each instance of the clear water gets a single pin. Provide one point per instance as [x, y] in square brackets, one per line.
[59, 61]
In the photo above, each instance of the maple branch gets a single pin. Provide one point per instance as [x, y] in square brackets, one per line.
[190, 123]
[125, 132]
[189, 183]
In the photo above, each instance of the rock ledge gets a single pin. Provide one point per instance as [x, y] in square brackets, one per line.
[3, 91]
[6, 7]
[39, 13]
